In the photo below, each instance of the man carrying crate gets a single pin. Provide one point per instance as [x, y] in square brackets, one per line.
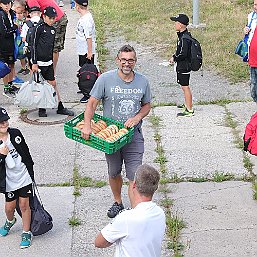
[126, 98]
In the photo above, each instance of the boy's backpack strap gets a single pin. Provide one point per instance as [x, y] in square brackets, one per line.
[30, 24]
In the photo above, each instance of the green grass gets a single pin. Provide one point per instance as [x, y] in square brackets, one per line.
[148, 23]
[220, 177]
[74, 221]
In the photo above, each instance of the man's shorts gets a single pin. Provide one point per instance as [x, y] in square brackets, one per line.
[183, 79]
[131, 154]
[60, 26]
[7, 58]
[47, 72]
[21, 192]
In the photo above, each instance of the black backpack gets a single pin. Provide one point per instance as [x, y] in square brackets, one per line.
[32, 27]
[196, 58]
[87, 76]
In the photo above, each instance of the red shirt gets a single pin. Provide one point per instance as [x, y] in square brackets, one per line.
[253, 51]
[42, 4]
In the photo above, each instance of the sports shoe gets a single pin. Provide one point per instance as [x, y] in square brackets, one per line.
[61, 4]
[15, 88]
[42, 112]
[84, 99]
[115, 209]
[186, 113]
[181, 106]
[4, 230]
[26, 238]
[8, 92]
[17, 80]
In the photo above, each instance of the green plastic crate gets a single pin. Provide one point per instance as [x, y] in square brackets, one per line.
[94, 141]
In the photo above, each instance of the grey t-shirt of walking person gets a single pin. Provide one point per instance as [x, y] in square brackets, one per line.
[121, 100]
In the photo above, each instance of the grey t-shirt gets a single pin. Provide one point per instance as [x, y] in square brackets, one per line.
[121, 100]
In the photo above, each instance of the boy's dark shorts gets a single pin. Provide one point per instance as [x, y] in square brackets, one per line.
[21, 192]
[60, 27]
[7, 58]
[131, 154]
[83, 59]
[47, 72]
[183, 79]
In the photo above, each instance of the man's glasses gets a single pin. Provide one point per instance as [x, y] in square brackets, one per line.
[123, 61]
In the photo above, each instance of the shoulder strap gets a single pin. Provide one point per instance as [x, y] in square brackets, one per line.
[188, 37]
[29, 23]
[250, 23]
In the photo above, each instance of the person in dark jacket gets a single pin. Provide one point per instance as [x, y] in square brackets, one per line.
[16, 176]
[181, 58]
[7, 31]
[42, 55]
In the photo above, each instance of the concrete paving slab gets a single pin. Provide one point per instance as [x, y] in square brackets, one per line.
[201, 145]
[59, 202]
[220, 218]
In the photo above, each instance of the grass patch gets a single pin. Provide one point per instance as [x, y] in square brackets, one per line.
[198, 180]
[74, 221]
[220, 177]
[89, 182]
[174, 226]
[139, 21]
[23, 111]
[166, 203]
[155, 120]
[247, 163]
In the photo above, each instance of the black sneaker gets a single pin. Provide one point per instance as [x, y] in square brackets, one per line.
[65, 111]
[115, 209]
[84, 100]
[79, 92]
[42, 112]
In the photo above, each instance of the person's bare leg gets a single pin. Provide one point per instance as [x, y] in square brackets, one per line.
[116, 185]
[9, 209]
[54, 85]
[26, 213]
[55, 60]
[188, 97]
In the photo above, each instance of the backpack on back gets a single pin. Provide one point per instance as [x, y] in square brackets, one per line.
[250, 140]
[87, 76]
[196, 59]
[32, 27]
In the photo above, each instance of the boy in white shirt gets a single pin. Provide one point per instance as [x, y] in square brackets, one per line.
[85, 34]
[35, 18]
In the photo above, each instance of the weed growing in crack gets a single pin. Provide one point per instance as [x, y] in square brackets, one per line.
[74, 221]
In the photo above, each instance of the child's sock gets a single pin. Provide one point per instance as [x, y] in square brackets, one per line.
[11, 221]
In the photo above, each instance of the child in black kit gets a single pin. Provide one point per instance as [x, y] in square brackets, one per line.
[16, 177]
[181, 58]
[42, 55]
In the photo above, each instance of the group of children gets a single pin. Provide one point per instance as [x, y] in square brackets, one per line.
[16, 181]
[38, 52]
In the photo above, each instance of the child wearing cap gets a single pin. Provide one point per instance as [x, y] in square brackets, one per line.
[15, 177]
[7, 31]
[42, 55]
[85, 34]
[181, 58]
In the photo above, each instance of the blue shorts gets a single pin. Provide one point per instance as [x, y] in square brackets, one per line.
[131, 155]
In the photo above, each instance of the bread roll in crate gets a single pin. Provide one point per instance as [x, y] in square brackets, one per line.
[108, 135]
